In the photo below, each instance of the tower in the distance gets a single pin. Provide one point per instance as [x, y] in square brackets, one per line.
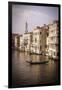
[26, 27]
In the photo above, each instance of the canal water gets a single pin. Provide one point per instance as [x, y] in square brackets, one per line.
[24, 74]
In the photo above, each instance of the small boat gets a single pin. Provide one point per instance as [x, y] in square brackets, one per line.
[34, 53]
[42, 62]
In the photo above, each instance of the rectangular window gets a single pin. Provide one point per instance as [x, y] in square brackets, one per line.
[40, 32]
[35, 40]
[40, 47]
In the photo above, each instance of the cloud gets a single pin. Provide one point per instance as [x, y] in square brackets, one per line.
[35, 14]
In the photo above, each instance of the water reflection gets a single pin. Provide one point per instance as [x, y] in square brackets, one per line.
[25, 74]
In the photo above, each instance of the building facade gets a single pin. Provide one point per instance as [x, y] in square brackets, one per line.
[21, 43]
[27, 40]
[15, 40]
[53, 40]
[39, 40]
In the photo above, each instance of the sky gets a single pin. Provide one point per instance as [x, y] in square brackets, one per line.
[33, 15]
